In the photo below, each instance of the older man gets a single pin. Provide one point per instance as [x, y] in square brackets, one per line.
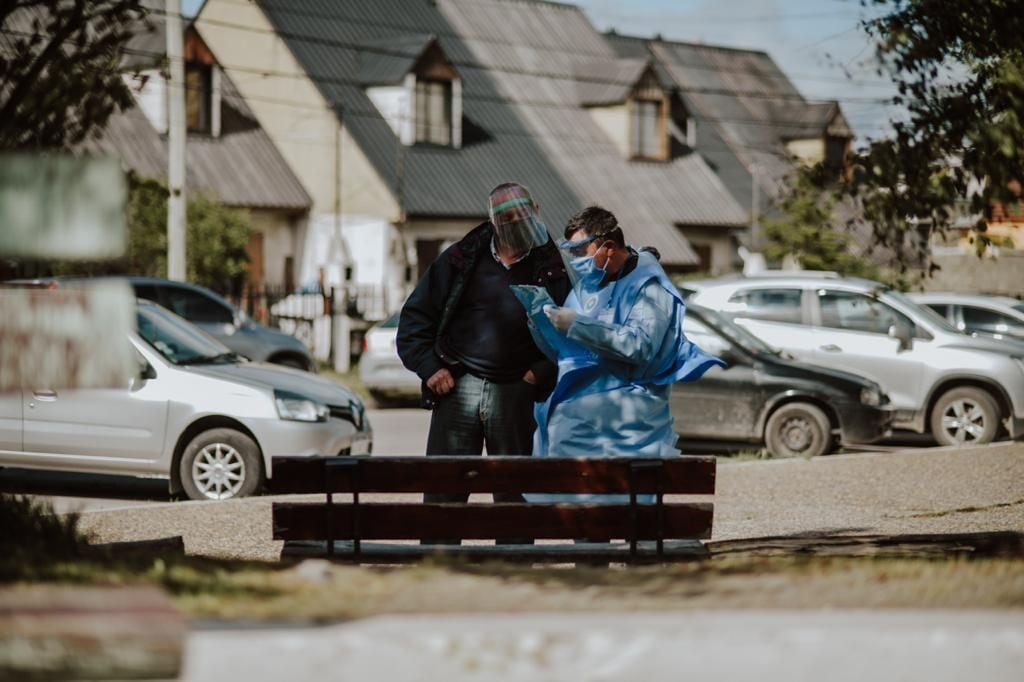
[465, 334]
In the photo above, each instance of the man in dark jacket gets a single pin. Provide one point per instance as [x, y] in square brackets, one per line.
[465, 334]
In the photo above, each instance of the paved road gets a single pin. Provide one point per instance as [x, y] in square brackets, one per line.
[770, 646]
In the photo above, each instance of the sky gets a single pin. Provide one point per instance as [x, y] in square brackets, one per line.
[817, 43]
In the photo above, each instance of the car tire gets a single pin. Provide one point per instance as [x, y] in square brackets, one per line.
[220, 464]
[965, 416]
[294, 363]
[798, 430]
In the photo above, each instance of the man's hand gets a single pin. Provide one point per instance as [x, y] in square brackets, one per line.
[530, 377]
[441, 382]
[562, 318]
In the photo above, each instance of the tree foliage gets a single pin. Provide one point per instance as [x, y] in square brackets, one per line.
[806, 230]
[217, 239]
[959, 69]
[60, 68]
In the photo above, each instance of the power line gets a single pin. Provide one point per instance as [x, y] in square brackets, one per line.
[468, 64]
[524, 42]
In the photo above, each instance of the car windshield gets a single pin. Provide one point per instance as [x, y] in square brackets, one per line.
[734, 333]
[923, 310]
[390, 323]
[177, 340]
[1019, 307]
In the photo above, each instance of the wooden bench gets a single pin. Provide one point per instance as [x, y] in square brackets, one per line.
[351, 530]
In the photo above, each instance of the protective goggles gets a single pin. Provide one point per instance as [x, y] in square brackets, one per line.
[579, 247]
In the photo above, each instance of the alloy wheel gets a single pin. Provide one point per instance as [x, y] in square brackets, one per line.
[218, 471]
[964, 420]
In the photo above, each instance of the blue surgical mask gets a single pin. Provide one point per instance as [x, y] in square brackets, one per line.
[590, 276]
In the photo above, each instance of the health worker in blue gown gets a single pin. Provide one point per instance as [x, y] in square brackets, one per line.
[619, 345]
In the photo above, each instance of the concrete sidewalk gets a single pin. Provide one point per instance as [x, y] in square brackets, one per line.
[788, 646]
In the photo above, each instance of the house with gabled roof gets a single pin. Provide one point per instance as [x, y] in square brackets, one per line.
[746, 118]
[399, 117]
[228, 155]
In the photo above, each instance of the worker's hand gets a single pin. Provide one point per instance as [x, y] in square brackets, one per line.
[530, 377]
[441, 382]
[562, 318]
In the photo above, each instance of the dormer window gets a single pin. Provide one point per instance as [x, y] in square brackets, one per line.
[648, 119]
[433, 117]
[647, 123]
[198, 97]
[418, 92]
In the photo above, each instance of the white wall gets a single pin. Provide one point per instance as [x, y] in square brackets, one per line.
[614, 121]
[392, 101]
[151, 95]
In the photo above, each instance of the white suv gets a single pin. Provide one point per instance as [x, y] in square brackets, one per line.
[958, 387]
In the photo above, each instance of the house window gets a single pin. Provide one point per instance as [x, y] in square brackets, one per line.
[198, 98]
[647, 130]
[434, 112]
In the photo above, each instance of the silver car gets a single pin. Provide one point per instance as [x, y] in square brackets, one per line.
[1000, 317]
[196, 414]
[958, 387]
[380, 368]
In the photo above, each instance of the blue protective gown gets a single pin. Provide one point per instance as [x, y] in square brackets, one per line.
[616, 367]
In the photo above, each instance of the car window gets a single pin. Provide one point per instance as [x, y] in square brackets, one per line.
[989, 321]
[176, 340]
[195, 307]
[857, 312]
[1019, 307]
[775, 304]
[940, 308]
[146, 291]
[390, 323]
[705, 337]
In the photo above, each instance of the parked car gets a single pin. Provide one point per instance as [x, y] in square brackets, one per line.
[380, 368]
[196, 413]
[1000, 317]
[792, 408]
[958, 387]
[218, 317]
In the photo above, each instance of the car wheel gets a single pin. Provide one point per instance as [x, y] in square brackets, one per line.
[798, 430]
[220, 464]
[965, 416]
[294, 363]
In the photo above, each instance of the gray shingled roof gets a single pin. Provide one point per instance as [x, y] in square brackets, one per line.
[744, 94]
[519, 126]
[241, 167]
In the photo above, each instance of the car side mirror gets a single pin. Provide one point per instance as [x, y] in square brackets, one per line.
[146, 371]
[730, 358]
[903, 333]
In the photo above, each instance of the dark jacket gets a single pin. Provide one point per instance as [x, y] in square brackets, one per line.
[435, 300]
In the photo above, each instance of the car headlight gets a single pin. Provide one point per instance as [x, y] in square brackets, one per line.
[872, 396]
[297, 408]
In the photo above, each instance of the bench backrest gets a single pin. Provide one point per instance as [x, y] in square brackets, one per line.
[627, 517]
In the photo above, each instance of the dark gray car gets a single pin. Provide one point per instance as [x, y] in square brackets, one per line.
[229, 325]
[763, 397]
[216, 316]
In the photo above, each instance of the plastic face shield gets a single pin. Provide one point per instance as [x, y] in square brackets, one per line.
[517, 229]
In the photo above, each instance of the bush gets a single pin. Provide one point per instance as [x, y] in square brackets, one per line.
[34, 536]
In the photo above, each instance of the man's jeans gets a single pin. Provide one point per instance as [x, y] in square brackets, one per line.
[479, 412]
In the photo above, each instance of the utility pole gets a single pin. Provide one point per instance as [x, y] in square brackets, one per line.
[176, 200]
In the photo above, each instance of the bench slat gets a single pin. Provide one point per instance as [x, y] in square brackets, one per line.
[499, 521]
[682, 475]
[674, 550]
